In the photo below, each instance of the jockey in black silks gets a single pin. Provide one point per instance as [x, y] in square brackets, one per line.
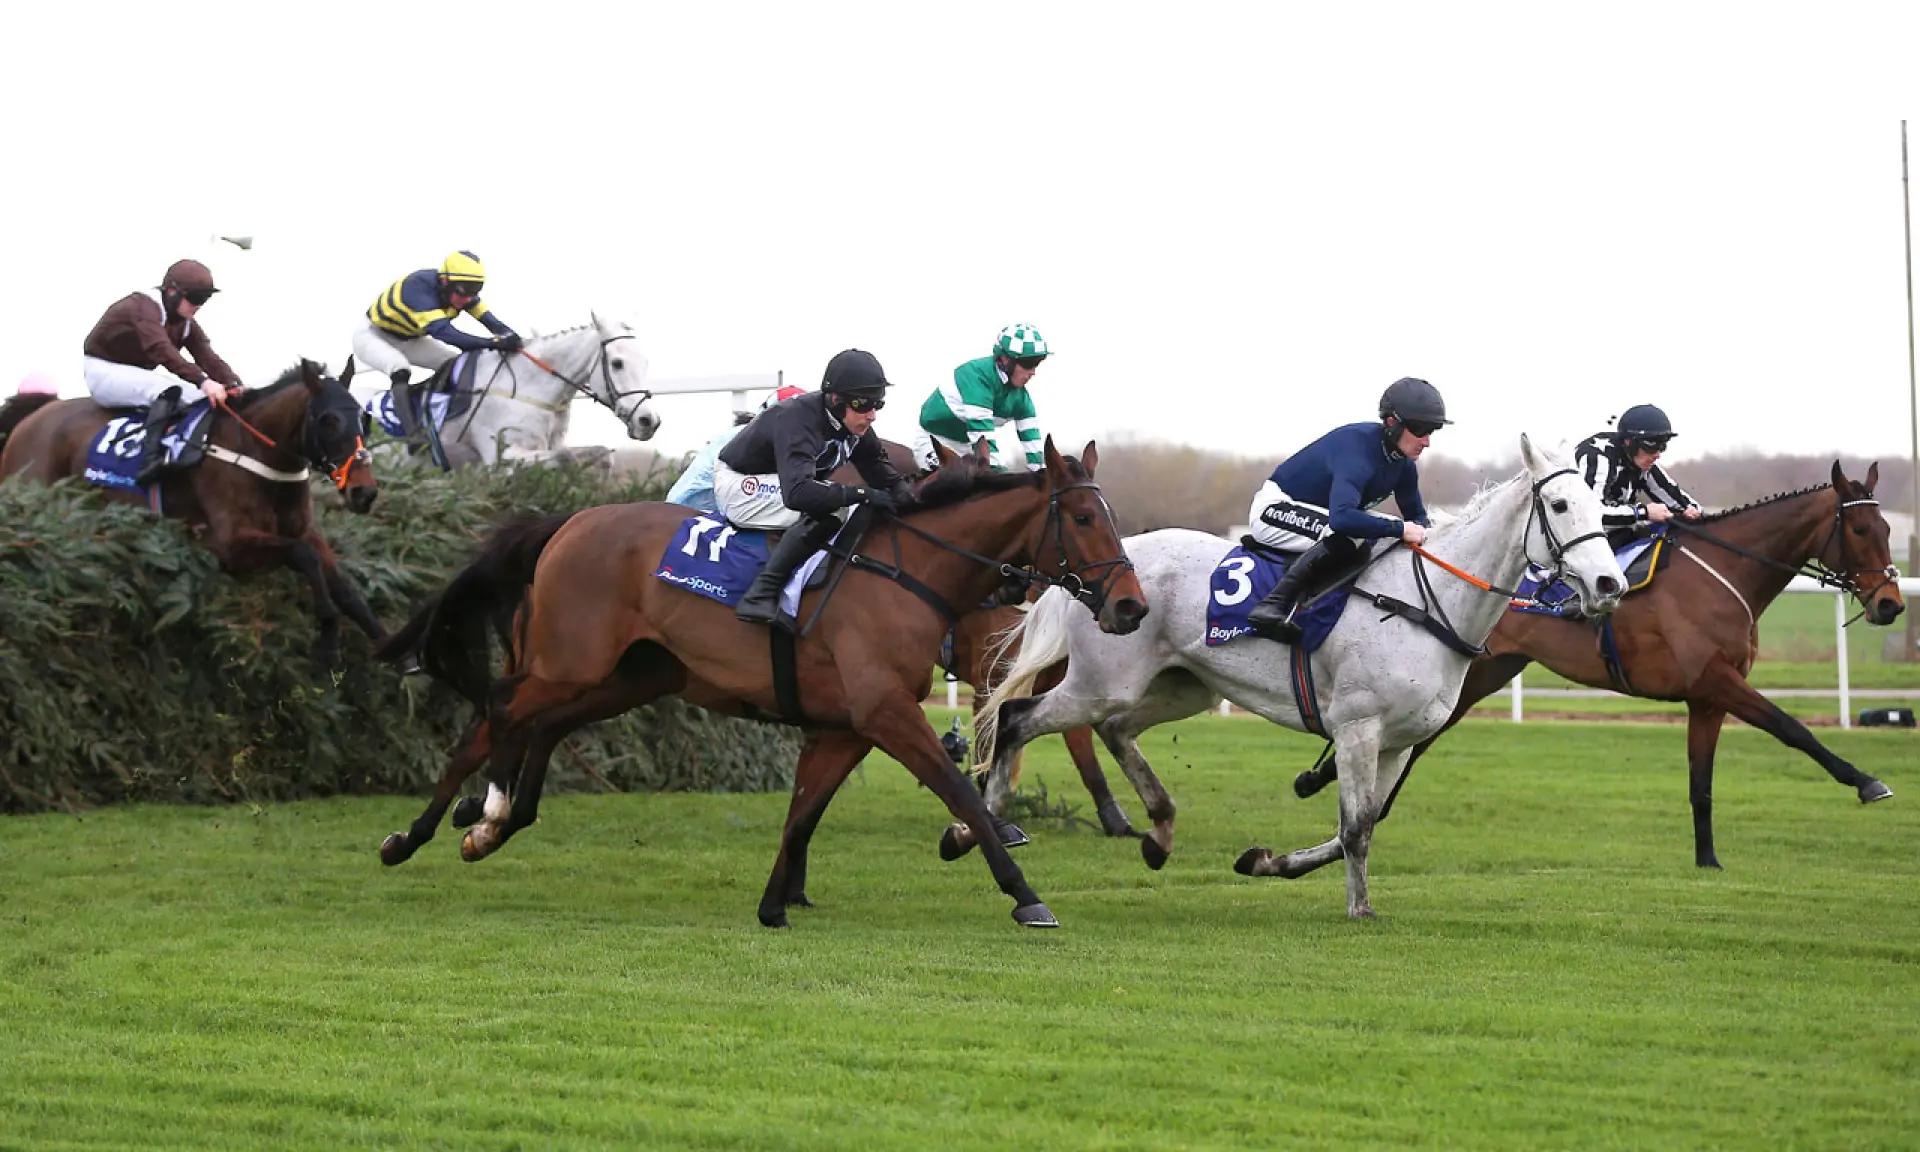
[773, 475]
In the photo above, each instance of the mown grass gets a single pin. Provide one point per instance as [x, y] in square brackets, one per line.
[1550, 970]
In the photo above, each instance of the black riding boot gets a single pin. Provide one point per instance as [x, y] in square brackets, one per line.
[761, 604]
[1273, 617]
[403, 402]
[153, 451]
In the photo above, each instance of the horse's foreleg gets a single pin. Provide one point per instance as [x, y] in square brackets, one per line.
[1113, 818]
[308, 558]
[824, 764]
[1021, 721]
[895, 723]
[1724, 687]
[466, 760]
[342, 593]
[1358, 744]
[1703, 737]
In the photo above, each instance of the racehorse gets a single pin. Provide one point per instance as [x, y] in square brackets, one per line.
[1386, 685]
[521, 400]
[248, 502]
[598, 635]
[1691, 636]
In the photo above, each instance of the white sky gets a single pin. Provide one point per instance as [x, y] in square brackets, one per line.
[1236, 223]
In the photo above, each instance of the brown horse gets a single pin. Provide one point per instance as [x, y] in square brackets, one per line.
[1691, 636]
[599, 635]
[249, 502]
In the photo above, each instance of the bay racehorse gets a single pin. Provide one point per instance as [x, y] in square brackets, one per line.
[1691, 634]
[1384, 684]
[248, 502]
[598, 634]
[522, 400]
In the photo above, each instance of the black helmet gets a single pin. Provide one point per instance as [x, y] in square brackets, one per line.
[854, 373]
[1410, 400]
[1644, 422]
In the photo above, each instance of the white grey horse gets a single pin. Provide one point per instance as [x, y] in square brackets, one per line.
[521, 400]
[1383, 685]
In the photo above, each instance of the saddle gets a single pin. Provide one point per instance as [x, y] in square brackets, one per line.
[1336, 578]
[1640, 561]
[114, 455]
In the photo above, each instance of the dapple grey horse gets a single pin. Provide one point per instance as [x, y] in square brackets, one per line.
[1383, 686]
[521, 400]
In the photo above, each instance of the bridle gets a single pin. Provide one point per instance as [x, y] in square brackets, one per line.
[1816, 568]
[611, 399]
[1089, 582]
[337, 471]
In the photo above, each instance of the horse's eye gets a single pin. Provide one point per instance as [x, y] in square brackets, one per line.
[1080, 521]
[1859, 529]
[1559, 505]
[617, 363]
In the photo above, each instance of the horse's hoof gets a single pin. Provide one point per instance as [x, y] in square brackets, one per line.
[1874, 790]
[1113, 819]
[1034, 916]
[774, 919]
[395, 850]
[409, 667]
[1307, 784]
[1010, 834]
[950, 846]
[1709, 861]
[1249, 859]
[799, 900]
[1364, 912]
[476, 845]
[468, 811]
[1153, 854]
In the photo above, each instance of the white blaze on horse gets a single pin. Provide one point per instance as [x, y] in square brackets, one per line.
[522, 400]
[1384, 685]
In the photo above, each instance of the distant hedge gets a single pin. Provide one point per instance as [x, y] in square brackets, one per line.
[132, 668]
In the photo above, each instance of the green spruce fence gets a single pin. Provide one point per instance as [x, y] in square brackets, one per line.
[132, 668]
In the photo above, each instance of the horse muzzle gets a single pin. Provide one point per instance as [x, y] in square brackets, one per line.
[1123, 615]
[1885, 608]
[642, 424]
[360, 497]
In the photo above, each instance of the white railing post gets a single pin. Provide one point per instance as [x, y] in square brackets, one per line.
[1226, 708]
[1518, 691]
[953, 691]
[1840, 646]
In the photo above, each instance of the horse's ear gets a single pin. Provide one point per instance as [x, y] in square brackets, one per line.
[1873, 476]
[982, 452]
[1090, 459]
[346, 374]
[1529, 457]
[313, 375]
[1052, 457]
[943, 454]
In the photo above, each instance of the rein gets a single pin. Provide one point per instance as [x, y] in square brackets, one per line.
[611, 400]
[338, 473]
[1841, 579]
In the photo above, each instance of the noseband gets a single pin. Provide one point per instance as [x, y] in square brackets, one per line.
[612, 398]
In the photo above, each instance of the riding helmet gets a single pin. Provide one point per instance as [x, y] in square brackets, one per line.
[854, 373]
[1413, 400]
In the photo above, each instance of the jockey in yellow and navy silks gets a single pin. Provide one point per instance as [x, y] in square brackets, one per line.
[1318, 504]
[411, 323]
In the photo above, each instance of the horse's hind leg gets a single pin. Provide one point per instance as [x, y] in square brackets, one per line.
[1020, 722]
[1174, 695]
[823, 766]
[466, 760]
[1113, 818]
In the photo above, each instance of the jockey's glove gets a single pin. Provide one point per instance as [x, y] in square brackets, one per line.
[881, 500]
[508, 343]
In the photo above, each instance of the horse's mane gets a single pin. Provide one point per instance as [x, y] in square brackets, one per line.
[252, 396]
[951, 485]
[1761, 503]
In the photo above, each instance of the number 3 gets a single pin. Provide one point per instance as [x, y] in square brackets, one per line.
[1239, 587]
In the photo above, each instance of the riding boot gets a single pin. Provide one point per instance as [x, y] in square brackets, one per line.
[403, 402]
[1273, 616]
[761, 604]
[153, 450]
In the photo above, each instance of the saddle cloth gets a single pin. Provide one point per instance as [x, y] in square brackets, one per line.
[710, 557]
[1640, 561]
[444, 396]
[113, 458]
[1242, 579]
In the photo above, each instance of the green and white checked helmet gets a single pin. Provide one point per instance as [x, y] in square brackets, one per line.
[1019, 341]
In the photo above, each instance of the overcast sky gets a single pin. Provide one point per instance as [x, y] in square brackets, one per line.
[1235, 223]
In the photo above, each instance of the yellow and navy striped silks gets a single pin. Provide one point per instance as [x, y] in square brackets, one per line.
[413, 303]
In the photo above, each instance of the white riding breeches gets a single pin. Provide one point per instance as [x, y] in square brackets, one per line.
[752, 501]
[923, 443]
[123, 386]
[386, 353]
[1279, 521]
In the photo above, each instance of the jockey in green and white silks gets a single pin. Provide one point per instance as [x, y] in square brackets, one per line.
[985, 395]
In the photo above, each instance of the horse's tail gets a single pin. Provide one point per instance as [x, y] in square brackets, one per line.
[448, 634]
[1042, 638]
[18, 408]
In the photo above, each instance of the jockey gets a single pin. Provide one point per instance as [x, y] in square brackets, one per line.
[411, 323]
[695, 486]
[1316, 504]
[145, 332]
[984, 395]
[773, 474]
[1624, 467]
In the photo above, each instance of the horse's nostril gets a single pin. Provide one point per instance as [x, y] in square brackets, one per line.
[1609, 586]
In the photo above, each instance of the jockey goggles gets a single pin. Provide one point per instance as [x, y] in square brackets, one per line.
[1421, 427]
[1029, 362]
[865, 403]
[196, 296]
[463, 287]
